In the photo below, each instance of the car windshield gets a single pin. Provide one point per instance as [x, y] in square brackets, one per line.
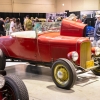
[38, 28]
[47, 26]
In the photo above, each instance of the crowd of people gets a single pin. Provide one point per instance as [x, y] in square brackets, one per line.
[84, 20]
[10, 25]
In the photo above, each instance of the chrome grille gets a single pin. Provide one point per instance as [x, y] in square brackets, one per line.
[85, 53]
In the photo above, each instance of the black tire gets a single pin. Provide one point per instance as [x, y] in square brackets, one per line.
[15, 86]
[67, 70]
[96, 71]
[2, 60]
[32, 63]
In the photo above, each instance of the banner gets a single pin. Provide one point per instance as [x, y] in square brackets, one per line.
[54, 16]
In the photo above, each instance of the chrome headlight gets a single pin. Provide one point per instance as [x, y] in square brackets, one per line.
[2, 81]
[74, 56]
[97, 51]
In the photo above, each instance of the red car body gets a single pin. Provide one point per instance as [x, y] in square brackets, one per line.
[47, 47]
[72, 28]
[64, 53]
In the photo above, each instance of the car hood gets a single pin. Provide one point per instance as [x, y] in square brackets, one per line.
[72, 28]
[58, 39]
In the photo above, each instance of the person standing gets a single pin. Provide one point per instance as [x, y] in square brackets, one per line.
[28, 24]
[12, 26]
[17, 26]
[2, 28]
[97, 28]
[84, 19]
[51, 17]
[7, 25]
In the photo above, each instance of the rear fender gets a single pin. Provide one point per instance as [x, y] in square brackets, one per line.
[4, 50]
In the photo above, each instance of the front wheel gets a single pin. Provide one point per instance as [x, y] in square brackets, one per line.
[14, 89]
[63, 73]
[96, 71]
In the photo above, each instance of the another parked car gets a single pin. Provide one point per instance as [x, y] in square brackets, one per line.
[90, 31]
[64, 54]
[12, 88]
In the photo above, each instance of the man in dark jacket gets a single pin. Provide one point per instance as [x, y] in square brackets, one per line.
[84, 19]
[2, 30]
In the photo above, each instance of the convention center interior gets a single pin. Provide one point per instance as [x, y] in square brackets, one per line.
[49, 49]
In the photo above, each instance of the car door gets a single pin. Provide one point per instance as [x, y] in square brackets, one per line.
[27, 48]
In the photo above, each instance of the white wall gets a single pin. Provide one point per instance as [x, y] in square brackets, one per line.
[77, 5]
[28, 6]
[5, 6]
[60, 8]
[34, 6]
[44, 6]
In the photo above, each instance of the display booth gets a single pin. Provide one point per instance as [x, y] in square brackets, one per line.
[22, 15]
[54, 16]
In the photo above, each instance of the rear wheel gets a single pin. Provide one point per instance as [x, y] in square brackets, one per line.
[63, 73]
[2, 60]
[14, 89]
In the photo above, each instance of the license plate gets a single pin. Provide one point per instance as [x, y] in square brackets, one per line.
[89, 64]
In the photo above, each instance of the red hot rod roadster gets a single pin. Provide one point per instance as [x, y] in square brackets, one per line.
[64, 54]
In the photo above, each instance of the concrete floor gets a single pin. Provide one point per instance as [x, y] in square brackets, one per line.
[41, 87]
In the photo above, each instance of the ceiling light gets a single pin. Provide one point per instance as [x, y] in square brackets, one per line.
[63, 4]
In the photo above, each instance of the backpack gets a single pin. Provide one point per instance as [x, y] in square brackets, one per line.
[29, 24]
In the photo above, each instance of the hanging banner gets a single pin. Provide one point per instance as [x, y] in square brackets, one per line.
[54, 16]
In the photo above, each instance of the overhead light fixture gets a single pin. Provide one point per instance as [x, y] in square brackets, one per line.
[63, 4]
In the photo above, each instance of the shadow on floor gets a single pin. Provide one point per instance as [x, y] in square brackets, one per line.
[41, 73]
